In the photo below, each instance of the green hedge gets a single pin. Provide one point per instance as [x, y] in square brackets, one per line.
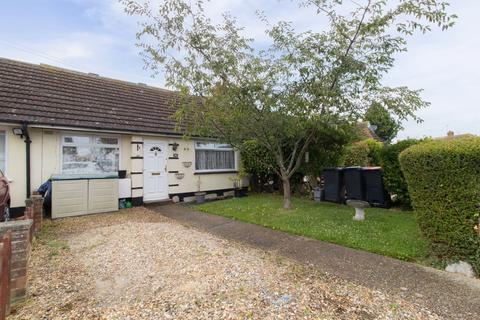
[362, 153]
[259, 163]
[443, 178]
[392, 173]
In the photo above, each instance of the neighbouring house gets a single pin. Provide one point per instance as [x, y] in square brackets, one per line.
[55, 121]
[451, 136]
[367, 131]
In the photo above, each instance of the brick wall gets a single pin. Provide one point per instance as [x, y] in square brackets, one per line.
[21, 245]
[5, 255]
[34, 211]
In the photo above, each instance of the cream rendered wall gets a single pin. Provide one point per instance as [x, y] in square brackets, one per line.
[45, 155]
[194, 182]
[45, 161]
[125, 152]
[36, 158]
[15, 166]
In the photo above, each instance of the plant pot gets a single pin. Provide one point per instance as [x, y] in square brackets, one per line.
[122, 174]
[187, 164]
[317, 194]
[179, 176]
[239, 193]
[200, 197]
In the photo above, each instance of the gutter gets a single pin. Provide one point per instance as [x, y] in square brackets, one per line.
[111, 131]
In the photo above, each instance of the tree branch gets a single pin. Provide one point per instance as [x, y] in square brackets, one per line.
[352, 42]
[301, 153]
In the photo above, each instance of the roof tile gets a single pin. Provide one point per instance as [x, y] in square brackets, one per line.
[47, 95]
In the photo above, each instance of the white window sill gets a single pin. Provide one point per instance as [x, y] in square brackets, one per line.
[216, 171]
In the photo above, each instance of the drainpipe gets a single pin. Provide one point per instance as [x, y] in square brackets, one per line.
[28, 141]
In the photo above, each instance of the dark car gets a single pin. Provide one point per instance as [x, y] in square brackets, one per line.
[4, 198]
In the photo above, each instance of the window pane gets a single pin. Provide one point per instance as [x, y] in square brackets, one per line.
[81, 156]
[76, 140]
[2, 151]
[106, 140]
[77, 160]
[223, 146]
[106, 159]
[214, 160]
[204, 145]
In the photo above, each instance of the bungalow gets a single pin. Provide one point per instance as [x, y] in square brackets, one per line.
[58, 122]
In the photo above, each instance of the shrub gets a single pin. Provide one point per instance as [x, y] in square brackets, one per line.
[374, 149]
[392, 173]
[362, 153]
[356, 154]
[443, 178]
[259, 163]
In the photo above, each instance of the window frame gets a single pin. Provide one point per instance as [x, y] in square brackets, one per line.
[214, 148]
[92, 137]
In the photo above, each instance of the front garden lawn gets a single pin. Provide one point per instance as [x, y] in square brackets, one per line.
[387, 232]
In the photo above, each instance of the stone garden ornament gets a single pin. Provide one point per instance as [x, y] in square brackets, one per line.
[359, 207]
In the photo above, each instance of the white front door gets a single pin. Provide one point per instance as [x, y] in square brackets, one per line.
[155, 182]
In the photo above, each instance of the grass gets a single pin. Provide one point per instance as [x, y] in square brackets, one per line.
[391, 233]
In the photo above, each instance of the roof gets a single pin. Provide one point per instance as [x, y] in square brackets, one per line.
[367, 132]
[452, 136]
[51, 96]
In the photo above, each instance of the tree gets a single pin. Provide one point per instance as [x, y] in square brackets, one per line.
[387, 126]
[302, 84]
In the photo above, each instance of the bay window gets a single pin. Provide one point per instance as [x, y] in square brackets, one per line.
[3, 151]
[211, 156]
[90, 154]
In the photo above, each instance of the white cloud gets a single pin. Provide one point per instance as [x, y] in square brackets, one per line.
[74, 50]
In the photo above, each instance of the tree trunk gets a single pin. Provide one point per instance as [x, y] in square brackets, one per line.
[287, 194]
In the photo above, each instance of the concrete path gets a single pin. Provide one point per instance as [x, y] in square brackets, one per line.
[451, 296]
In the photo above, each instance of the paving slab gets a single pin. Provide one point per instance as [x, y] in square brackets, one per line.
[451, 296]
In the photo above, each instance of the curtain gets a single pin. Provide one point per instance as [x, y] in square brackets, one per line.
[214, 160]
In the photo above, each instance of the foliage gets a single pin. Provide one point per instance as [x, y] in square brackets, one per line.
[443, 178]
[387, 125]
[362, 153]
[393, 177]
[325, 151]
[258, 163]
[387, 232]
[374, 149]
[288, 90]
[356, 154]
[257, 160]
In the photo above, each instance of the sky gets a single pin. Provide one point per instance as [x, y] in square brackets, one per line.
[97, 36]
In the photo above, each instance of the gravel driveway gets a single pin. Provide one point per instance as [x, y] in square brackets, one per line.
[136, 264]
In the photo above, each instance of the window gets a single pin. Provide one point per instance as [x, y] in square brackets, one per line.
[3, 152]
[90, 154]
[214, 157]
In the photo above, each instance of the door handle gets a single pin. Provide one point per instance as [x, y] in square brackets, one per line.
[155, 173]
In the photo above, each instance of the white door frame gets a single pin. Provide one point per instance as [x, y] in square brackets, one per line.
[162, 171]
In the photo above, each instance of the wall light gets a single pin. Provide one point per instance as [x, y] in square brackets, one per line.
[19, 132]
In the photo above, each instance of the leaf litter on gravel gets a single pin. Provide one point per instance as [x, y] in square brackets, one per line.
[136, 264]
